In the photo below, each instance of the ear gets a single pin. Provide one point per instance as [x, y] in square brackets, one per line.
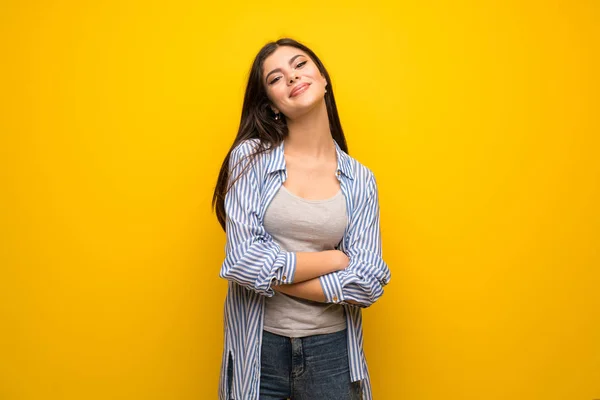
[275, 111]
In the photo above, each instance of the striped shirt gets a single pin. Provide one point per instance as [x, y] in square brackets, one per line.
[254, 262]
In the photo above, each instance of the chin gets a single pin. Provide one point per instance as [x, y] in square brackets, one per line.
[301, 108]
[308, 99]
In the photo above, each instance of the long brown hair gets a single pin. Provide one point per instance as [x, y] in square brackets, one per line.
[257, 121]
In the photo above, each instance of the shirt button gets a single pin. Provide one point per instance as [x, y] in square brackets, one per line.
[335, 298]
[284, 278]
[338, 172]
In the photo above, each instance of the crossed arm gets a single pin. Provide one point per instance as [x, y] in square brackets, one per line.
[313, 265]
[254, 260]
[310, 290]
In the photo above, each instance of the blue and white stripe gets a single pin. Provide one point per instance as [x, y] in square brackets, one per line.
[254, 262]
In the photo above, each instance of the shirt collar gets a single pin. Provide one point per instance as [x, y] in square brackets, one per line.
[277, 161]
[343, 160]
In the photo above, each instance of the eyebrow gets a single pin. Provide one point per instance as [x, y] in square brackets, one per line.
[279, 69]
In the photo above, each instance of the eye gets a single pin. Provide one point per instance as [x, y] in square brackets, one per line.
[274, 80]
[301, 64]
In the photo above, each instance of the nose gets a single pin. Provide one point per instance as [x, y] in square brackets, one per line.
[293, 78]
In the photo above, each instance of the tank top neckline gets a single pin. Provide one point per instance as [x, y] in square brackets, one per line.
[335, 196]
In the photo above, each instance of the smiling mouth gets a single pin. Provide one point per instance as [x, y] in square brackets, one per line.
[299, 89]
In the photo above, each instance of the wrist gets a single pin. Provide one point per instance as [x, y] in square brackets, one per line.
[341, 260]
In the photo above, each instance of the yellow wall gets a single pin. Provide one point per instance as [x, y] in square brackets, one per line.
[479, 119]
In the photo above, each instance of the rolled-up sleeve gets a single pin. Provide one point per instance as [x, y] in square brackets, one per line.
[367, 273]
[253, 259]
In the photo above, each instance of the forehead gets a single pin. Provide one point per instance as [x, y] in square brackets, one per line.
[281, 57]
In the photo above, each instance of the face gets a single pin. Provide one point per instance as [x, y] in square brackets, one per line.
[293, 82]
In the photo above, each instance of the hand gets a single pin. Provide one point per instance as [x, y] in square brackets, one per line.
[342, 260]
[281, 288]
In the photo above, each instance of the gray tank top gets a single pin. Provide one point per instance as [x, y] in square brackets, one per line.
[301, 225]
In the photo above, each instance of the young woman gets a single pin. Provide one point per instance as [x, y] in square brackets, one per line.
[303, 252]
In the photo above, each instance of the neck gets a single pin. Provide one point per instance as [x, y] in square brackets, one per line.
[309, 134]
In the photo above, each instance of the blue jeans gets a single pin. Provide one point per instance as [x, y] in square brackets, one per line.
[308, 368]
